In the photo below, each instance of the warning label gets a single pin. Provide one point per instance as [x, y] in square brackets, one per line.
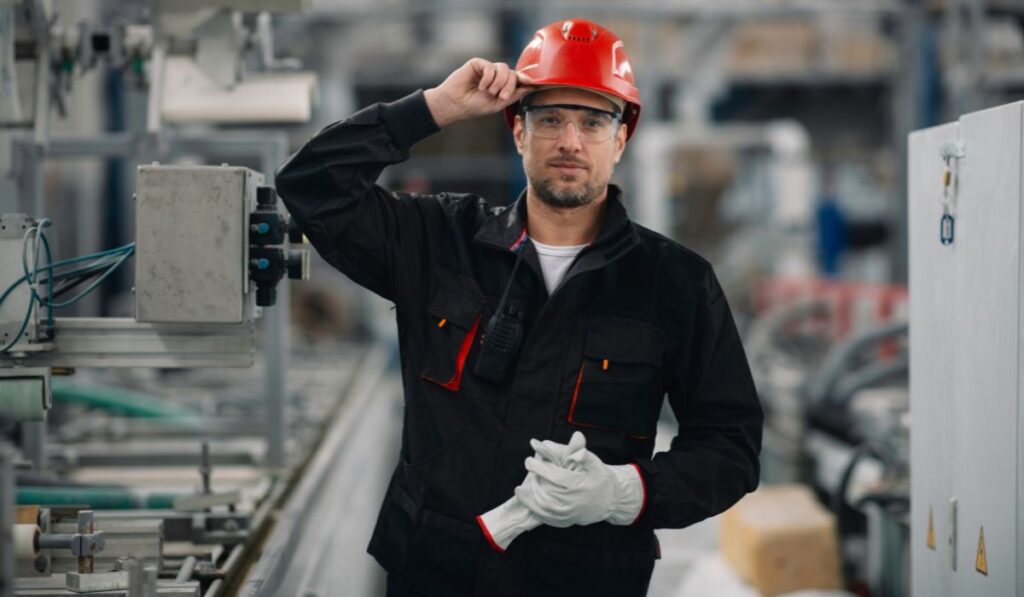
[981, 561]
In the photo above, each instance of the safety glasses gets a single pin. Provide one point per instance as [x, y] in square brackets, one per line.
[592, 124]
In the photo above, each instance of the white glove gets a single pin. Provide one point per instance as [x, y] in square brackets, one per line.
[595, 492]
[503, 524]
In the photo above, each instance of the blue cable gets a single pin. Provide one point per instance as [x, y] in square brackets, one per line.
[61, 276]
[88, 289]
[109, 259]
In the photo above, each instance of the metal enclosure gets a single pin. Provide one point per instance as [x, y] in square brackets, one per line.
[192, 239]
[15, 305]
[965, 369]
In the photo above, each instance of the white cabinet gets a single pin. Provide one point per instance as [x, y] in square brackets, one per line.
[965, 370]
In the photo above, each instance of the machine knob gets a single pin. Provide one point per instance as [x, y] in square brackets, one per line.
[298, 265]
[266, 197]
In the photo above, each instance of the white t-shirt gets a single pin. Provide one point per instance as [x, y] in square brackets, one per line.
[554, 261]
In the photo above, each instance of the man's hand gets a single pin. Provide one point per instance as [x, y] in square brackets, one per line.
[477, 88]
[503, 524]
[591, 493]
[566, 484]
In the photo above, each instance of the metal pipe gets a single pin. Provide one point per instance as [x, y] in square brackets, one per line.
[41, 27]
[215, 588]
[231, 562]
[33, 443]
[98, 498]
[185, 572]
[276, 348]
[7, 562]
[835, 363]
[867, 376]
[132, 404]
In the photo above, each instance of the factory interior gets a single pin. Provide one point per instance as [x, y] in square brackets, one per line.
[195, 403]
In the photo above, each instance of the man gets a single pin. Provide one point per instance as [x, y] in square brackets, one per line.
[555, 319]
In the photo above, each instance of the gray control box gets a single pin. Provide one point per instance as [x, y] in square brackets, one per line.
[192, 243]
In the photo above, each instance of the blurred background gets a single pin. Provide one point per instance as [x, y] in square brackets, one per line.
[247, 452]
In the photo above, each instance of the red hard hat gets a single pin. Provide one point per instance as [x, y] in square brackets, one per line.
[580, 53]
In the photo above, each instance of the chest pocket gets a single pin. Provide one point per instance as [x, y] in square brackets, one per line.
[619, 383]
[454, 319]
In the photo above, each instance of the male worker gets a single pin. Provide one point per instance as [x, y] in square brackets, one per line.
[555, 319]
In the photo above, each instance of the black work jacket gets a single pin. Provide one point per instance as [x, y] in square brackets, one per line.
[637, 317]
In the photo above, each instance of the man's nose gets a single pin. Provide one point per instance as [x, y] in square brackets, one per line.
[570, 140]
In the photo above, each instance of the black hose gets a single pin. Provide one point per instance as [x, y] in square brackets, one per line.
[70, 284]
[838, 502]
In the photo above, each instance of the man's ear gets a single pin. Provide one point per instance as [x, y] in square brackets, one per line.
[518, 133]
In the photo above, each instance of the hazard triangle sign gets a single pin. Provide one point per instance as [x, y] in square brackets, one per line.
[981, 561]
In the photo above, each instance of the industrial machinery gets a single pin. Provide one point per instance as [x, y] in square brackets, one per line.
[192, 57]
[830, 363]
[173, 498]
[209, 251]
[211, 248]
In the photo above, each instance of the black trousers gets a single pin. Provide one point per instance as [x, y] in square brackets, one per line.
[399, 588]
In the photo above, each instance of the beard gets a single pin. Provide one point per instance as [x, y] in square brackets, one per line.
[548, 192]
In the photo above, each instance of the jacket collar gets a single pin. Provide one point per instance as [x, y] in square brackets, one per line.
[506, 226]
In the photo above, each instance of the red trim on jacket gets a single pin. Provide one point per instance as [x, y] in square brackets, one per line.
[572, 408]
[575, 396]
[460, 364]
[455, 382]
[643, 484]
[519, 240]
[487, 534]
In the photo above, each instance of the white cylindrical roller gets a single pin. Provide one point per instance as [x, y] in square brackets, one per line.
[26, 542]
[22, 399]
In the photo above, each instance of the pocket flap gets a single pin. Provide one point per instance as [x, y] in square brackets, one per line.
[457, 307]
[624, 342]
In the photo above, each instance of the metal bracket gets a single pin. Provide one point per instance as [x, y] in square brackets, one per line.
[84, 544]
[952, 150]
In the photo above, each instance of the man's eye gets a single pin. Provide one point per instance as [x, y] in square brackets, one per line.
[550, 121]
[593, 123]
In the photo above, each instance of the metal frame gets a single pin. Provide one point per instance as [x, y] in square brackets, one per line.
[7, 561]
[123, 342]
[269, 147]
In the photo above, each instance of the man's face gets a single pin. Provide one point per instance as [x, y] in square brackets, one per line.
[570, 170]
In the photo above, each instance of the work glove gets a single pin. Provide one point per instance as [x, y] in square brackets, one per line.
[503, 524]
[594, 492]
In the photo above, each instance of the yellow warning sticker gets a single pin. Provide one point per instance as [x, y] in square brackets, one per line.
[931, 529]
[981, 562]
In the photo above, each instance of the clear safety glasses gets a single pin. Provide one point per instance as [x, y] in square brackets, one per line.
[592, 125]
